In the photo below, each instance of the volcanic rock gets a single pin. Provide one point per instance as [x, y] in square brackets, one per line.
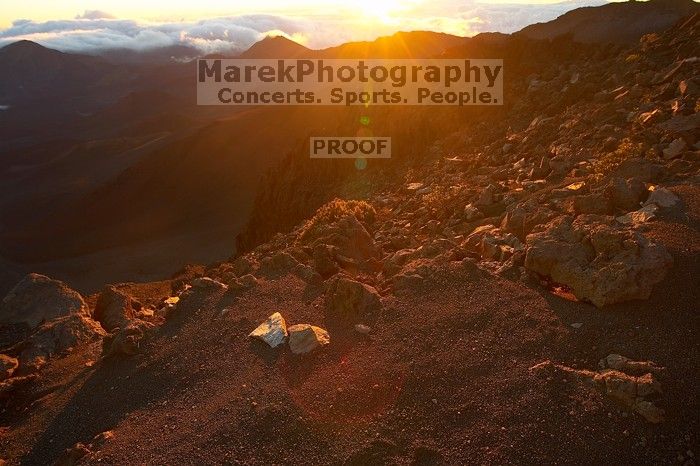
[38, 298]
[115, 309]
[638, 216]
[127, 340]
[338, 224]
[624, 364]
[8, 365]
[674, 149]
[599, 261]
[471, 213]
[662, 197]
[58, 336]
[349, 300]
[304, 338]
[630, 391]
[278, 264]
[273, 331]
[594, 203]
[207, 283]
[627, 194]
[323, 261]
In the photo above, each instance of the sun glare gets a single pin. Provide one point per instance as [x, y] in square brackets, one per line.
[381, 10]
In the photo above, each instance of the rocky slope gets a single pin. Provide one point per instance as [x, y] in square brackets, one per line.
[526, 288]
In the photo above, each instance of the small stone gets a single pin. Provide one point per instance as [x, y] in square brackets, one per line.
[363, 329]
[208, 283]
[273, 331]
[577, 324]
[471, 213]
[304, 338]
[248, 281]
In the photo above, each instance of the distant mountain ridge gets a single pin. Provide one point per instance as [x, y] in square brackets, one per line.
[30, 70]
[617, 22]
[276, 47]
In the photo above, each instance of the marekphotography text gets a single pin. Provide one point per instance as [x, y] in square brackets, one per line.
[350, 82]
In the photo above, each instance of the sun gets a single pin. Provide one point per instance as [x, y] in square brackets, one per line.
[378, 9]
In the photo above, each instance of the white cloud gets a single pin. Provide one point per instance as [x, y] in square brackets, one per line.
[94, 14]
[94, 30]
[99, 33]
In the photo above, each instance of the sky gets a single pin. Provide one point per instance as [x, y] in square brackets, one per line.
[219, 27]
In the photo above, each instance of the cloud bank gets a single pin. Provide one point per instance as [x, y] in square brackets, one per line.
[96, 31]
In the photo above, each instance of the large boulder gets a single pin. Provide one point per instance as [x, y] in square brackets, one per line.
[348, 300]
[115, 309]
[58, 336]
[38, 298]
[598, 259]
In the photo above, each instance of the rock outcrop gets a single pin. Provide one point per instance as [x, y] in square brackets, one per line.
[38, 298]
[599, 260]
[58, 336]
[636, 393]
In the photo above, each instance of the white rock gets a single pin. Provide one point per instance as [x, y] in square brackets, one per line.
[363, 329]
[273, 331]
[304, 338]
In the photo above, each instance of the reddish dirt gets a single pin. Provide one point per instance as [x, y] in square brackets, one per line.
[442, 379]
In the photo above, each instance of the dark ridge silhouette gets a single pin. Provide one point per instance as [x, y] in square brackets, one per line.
[616, 22]
[276, 47]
